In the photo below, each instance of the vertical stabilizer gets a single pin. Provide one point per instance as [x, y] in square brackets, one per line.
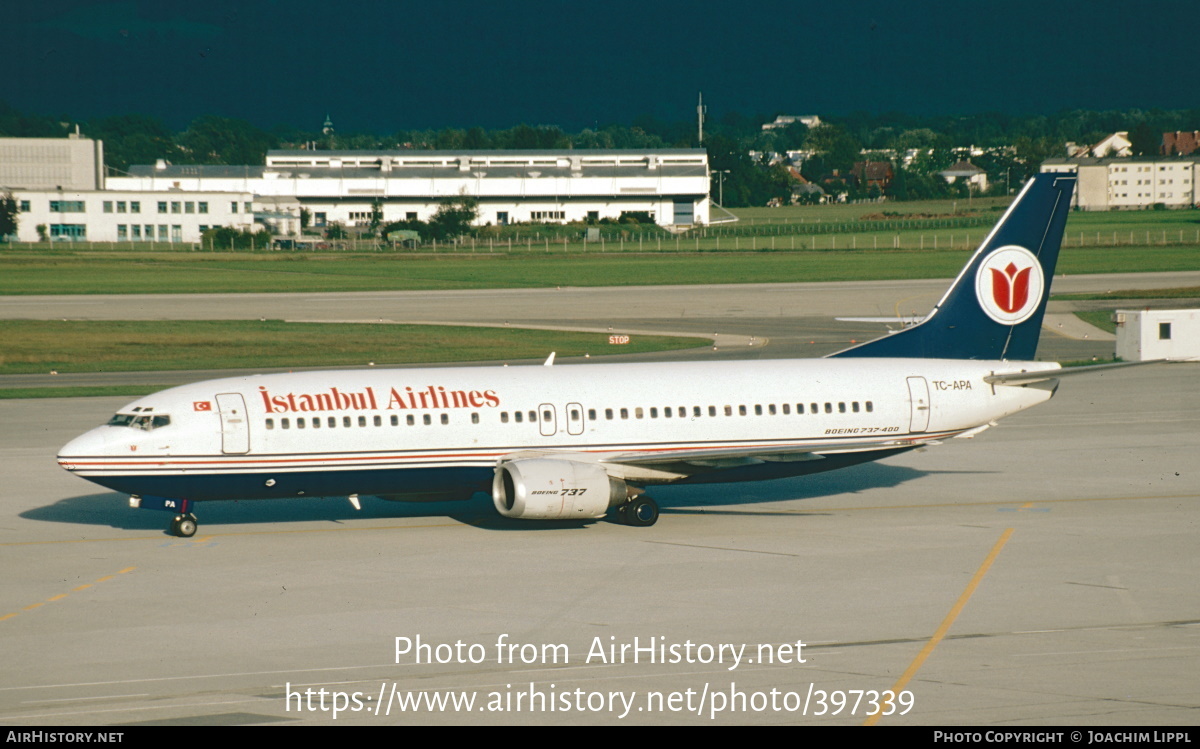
[994, 308]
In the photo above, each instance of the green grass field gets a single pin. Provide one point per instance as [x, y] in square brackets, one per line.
[927, 239]
[1183, 292]
[85, 391]
[42, 346]
[1101, 318]
[855, 211]
[184, 273]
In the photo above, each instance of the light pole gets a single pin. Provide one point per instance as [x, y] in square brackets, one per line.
[721, 185]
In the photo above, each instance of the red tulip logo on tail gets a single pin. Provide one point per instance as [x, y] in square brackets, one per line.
[1009, 285]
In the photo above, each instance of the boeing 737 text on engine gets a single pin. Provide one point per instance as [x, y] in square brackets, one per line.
[582, 441]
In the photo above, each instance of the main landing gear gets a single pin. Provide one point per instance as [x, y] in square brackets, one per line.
[640, 511]
[184, 525]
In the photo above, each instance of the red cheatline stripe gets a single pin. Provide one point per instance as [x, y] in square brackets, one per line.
[433, 455]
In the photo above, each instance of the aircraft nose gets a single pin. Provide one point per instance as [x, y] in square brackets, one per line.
[90, 444]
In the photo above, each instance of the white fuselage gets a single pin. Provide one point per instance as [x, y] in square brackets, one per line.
[424, 430]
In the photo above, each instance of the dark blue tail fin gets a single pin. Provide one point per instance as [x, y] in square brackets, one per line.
[994, 308]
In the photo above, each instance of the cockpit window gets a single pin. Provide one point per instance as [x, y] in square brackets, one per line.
[146, 422]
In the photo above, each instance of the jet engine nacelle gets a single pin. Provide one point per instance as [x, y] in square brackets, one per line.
[546, 489]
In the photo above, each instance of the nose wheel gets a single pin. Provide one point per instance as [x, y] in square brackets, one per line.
[184, 526]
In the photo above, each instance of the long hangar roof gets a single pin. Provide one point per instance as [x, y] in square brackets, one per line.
[500, 164]
[400, 164]
[409, 154]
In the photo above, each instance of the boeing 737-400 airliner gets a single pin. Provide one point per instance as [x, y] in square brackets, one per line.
[580, 441]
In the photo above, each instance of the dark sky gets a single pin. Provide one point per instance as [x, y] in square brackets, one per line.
[381, 66]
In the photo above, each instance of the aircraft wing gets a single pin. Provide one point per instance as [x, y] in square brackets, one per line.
[679, 463]
[759, 453]
[905, 321]
[670, 464]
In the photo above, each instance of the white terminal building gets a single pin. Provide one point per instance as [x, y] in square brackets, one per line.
[179, 202]
[1131, 183]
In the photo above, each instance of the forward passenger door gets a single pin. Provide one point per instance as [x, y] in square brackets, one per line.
[235, 430]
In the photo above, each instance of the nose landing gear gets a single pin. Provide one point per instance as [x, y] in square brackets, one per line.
[184, 526]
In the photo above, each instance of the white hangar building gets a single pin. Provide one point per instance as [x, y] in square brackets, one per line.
[71, 163]
[128, 216]
[59, 187]
[540, 186]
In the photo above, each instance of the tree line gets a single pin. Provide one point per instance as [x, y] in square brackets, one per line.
[1014, 145]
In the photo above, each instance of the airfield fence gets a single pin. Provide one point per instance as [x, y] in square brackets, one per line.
[709, 240]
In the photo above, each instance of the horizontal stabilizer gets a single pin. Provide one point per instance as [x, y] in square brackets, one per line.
[1028, 377]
